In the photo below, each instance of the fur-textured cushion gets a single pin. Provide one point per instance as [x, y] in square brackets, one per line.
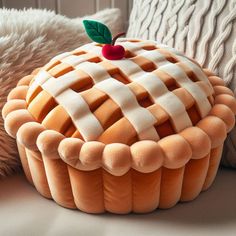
[28, 39]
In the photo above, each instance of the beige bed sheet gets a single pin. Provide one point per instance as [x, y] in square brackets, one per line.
[24, 212]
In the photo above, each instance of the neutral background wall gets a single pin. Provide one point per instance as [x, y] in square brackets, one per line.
[72, 8]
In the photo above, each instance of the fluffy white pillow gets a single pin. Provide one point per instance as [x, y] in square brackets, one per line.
[204, 30]
[28, 39]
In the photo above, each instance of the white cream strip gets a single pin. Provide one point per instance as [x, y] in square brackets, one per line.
[139, 117]
[157, 58]
[94, 70]
[39, 79]
[181, 78]
[83, 118]
[149, 134]
[129, 68]
[61, 56]
[42, 77]
[73, 60]
[92, 48]
[145, 41]
[166, 99]
[133, 47]
[58, 85]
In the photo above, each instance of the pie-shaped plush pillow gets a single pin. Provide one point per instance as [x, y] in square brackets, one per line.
[128, 135]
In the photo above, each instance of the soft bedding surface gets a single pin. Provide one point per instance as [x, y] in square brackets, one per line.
[25, 212]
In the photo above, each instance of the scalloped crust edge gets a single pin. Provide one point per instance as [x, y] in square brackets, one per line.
[172, 152]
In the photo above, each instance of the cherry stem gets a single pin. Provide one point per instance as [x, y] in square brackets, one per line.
[116, 37]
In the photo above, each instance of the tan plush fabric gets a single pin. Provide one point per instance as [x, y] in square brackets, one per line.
[122, 166]
[204, 30]
[28, 39]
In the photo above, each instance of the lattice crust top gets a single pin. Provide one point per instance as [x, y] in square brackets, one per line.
[154, 92]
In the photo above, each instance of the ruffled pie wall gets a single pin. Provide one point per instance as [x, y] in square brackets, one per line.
[118, 178]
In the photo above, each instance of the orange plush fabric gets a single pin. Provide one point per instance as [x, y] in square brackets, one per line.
[122, 136]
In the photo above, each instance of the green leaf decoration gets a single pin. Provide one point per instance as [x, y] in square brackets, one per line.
[97, 31]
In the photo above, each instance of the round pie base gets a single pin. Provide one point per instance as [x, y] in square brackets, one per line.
[98, 191]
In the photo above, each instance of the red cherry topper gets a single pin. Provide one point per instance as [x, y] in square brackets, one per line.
[112, 51]
[100, 33]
